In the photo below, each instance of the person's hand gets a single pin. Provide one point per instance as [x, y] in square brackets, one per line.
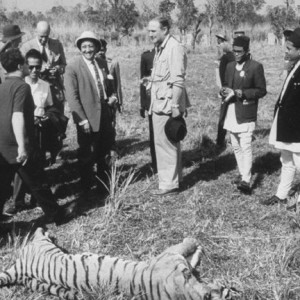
[175, 112]
[142, 112]
[145, 80]
[86, 128]
[112, 100]
[238, 94]
[22, 155]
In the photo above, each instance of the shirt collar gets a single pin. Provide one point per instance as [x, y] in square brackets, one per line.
[40, 45]
[88, 62]
[163, 44]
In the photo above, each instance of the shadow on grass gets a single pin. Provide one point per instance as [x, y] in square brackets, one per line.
[262, 132]
[132, 146]
[265, 164]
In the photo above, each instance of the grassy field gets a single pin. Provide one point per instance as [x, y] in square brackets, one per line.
[254, 248]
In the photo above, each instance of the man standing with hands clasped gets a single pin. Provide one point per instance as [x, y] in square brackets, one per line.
[244, 84]
[168, 99]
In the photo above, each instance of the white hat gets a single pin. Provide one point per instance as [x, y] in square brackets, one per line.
[87, 35]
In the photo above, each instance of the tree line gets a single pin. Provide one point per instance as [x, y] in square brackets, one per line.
[123, 18]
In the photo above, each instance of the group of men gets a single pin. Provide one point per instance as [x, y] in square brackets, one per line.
[243, 84]
[93, 95]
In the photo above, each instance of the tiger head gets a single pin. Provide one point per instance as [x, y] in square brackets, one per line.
[175, 270]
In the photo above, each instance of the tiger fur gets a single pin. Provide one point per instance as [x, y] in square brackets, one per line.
[44, 267]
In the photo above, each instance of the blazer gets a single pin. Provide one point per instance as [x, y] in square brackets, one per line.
[82, 94]
[145, 71]
[56, 51]
[288, 120]
[253, 86]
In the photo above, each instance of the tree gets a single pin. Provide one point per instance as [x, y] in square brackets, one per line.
[165, 8]
[196, 29]
[281, 18]
[187, 15]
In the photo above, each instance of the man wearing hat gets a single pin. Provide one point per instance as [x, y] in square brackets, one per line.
[244, 84]
[285, 130]
[11, 38]
[87, 92]
[168, 99]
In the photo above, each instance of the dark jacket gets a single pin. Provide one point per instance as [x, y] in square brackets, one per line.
[225, 59]
[288, 122]
[146, 68]
[253, 86]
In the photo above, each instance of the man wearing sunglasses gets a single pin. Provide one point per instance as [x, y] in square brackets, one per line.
[18, 150]
[244, 84]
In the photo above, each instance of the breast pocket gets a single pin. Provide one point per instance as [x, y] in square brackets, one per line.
[162, 68]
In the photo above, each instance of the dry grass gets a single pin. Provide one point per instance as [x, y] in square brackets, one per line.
[253, 248]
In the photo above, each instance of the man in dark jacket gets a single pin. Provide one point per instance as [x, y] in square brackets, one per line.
[244, 84]
[285, 131]
[146, 68]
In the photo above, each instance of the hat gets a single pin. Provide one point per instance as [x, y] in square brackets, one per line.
[287, 32]
[295, 37]
[11, 32]
[239, 32]
[175, 129]
[221, 36]
[242, 41]
[87, 35]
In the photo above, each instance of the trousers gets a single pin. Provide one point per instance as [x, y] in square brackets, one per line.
[33, 176]
[241, 144]
[168, 155]
[290, 163]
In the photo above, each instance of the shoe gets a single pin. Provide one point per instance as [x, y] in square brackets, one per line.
[292, 207]
[14, 209]
[244, 187]
[273, 200]
[4, 217]
[237, 180]
[164, 192]
[65, 214]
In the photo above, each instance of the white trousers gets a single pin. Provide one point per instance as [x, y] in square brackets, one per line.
[290, 162]
[241, 144]
[168, 155]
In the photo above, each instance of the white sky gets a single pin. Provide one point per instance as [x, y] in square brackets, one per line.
[43, 5]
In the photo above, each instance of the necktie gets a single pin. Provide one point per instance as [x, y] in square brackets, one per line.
[44, 54]
[99, 83]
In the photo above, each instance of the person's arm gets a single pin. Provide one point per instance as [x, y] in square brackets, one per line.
[177, 65]
[18, 125]
[259, 85]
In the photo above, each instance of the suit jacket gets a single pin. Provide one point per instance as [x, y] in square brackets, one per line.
[288, 121]
[253, 86]
[57, 54]
[145, 70]
[82, 94]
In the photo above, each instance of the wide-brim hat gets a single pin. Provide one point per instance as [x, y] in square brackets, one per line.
[175, 129]
[11, 32]
[87, 35]
[222, 37]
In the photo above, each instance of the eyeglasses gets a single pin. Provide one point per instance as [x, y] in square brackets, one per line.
[36, 67]
[238, 51]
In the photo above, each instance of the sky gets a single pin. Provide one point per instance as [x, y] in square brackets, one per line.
[43, 5]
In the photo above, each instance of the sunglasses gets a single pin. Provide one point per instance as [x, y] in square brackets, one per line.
[36, 67]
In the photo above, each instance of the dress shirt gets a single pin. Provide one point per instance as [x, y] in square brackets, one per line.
[230, 122]
[41, 95]
[91, 68]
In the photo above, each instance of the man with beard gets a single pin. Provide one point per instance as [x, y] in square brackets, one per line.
[244, 84]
